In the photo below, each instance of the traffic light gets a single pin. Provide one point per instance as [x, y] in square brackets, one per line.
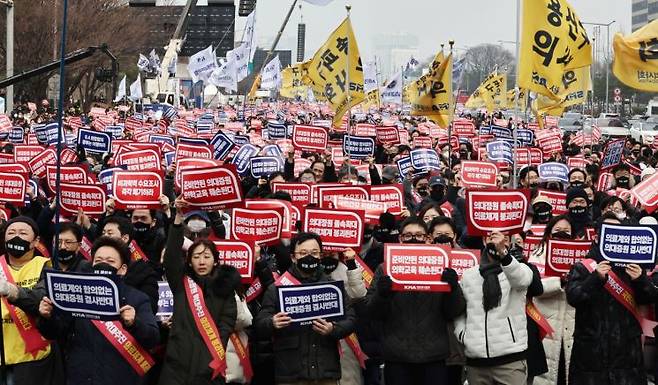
[246, 7]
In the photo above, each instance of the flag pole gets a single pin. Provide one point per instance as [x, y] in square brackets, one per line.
[515, 125]
[454, 108]
[348, 8]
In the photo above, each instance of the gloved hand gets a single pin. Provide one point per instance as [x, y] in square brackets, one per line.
[450, 277]
[264, 273]
[384, 286]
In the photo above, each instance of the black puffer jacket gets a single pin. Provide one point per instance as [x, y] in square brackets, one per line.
[187, 358]
[414, 324]
[607, 349]
[301, 354]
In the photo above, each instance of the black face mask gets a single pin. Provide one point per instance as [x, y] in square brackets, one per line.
[443, 240]
[65, 256]
[636, 152]
[542, 216]
[577, 183]
[533, 185]
[437, 194]
[367, 234]
[141, 229]
[561, 235]
[578, 212]
[422, 192]
[414, 241]
[17, 246]
[463, 154]
[623, 181]
[308, 264]
[104, 269]
[330, 264]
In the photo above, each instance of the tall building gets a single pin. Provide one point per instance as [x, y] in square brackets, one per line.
[394, 50]
[644, 12]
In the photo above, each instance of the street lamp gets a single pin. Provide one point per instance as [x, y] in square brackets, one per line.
[607, 62]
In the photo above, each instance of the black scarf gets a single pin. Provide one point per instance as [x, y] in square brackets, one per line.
[491, 293]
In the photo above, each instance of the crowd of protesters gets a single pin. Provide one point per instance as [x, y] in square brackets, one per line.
[478, 331]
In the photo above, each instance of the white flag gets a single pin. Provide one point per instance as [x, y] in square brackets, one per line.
[154, 61]
[143, 63]
[392, 91]
[226, 75]
[319, 2]
[370, 77]
[271, 76]
[172, 64]
[136, 90]
[241, 56]
[202, 64]
[249, 35]
[121, 93]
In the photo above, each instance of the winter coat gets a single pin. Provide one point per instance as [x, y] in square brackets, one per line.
[414, 324]
[349, 364]
[499, 335]
[301, 354]
[142, 276]
[90, 358]
[607, 349]
[562, 318]
[536, 356]
[187, 357]
[234, 369]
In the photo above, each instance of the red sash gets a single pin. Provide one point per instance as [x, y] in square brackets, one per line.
[206, 326]
[34, 341]
[243, 355]
[136, 253]
[366, 273]
[545, 328]
[85, 248]
[624, 295]
[126, 345]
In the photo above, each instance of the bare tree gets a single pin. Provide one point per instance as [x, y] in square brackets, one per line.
[483, 59]
[90, 23]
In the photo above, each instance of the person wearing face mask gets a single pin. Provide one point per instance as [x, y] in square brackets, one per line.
[553, 305]
[197, 225]
[494, 329]
[29, 357]
[416, 191]
[577, 178]
[542, 210]
[304, 354]
[197, 280]
[603, 325]
[618, 207]
[529, 177]
[147, 234]
[579, 213]
[623, 177]
[90, 355]
[415, 344]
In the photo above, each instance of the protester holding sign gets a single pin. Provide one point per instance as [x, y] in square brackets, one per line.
[607, 321]
[28, 355]
[493, 330]
[205, 309]
[106, 352]
[580, 215]
[304, 353]
[415, 344]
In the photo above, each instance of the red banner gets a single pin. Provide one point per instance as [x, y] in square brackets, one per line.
[604, 183]
[363, 129]
[558, 201]
[647, 192]
[262, 227]
[196, 151]
[39, 163]
[422, 142]
[88, 197]
[562, 254]
[211, 188]
[463, 128]
[577, 162]
[388, 135]
[536, 156]
[463, 259]
[522, 157]
[136, 189]
[372, 209]
[68, 174]
[140, 160]
[239, 255]
[416, 267]
[13, 187]
[290, 215]
[309, 138]
[326, 194]
[23, 153]
[479, 174]
[495, 210]
[391, 195]
[339, 229]
[190, 164]
[299, 192]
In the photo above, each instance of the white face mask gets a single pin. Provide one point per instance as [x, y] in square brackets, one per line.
[621, 216]
[196, 225]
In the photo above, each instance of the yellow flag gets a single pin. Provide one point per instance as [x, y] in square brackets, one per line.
[410, 91]
[434, 94]
[328, 71]
[492, 93]
[553, 42]
[475, 101]
[371, 100]
[636, 58]
[292, 81]
[575, 85]
[523, 99]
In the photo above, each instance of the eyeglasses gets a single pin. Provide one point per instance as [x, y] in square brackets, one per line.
[449, 235]
[302, 253]
[67, 243]
[408, 236]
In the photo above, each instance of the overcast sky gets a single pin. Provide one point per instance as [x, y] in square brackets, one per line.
[468, 22]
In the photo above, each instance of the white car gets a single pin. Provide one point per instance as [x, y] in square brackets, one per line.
[612, 127]
[645, 132]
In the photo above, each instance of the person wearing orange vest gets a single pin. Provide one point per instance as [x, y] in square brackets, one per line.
[30, 358]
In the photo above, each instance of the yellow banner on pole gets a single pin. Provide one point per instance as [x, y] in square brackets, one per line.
[492, 93]
[434, 94]
[292, 81]
[553, 42]
[636, 58]
[328, 71]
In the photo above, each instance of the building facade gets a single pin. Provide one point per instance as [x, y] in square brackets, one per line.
[643, 12]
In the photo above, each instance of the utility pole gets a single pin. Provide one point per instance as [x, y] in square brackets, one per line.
[607, 61]
[9, 100]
